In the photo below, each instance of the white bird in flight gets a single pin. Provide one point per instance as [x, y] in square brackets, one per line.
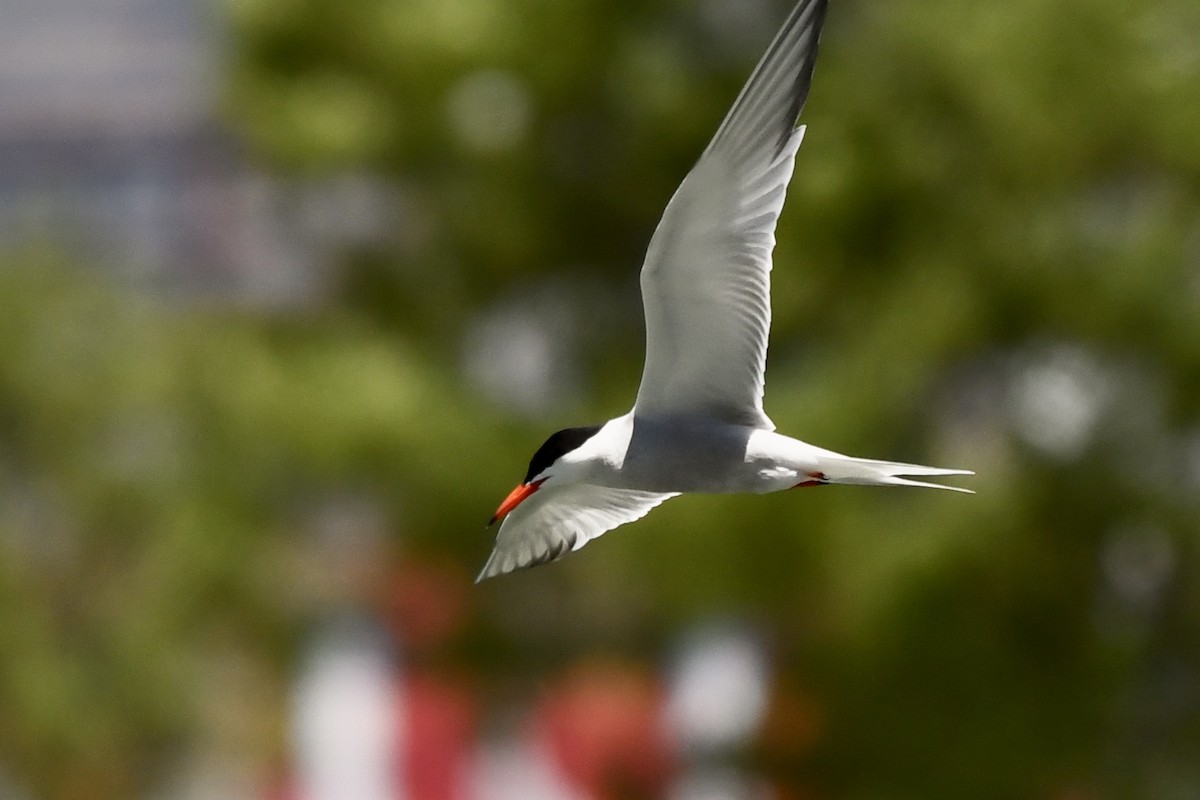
[698, 423]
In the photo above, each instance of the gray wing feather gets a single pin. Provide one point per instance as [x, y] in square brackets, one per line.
[706, 279]
[554, 521]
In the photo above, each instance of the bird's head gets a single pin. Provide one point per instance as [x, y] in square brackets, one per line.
[547, 464]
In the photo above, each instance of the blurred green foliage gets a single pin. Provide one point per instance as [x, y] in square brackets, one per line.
[994, 205]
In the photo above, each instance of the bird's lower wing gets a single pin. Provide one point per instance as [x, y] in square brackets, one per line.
[554, 521]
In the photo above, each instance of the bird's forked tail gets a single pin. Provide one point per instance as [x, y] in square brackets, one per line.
[837, 468]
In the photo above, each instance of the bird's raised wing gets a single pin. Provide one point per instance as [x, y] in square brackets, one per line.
[556, 520]
[706, 283]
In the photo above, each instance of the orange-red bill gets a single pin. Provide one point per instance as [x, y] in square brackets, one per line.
[514, 499]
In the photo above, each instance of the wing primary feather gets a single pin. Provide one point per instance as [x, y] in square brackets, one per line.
[787, 67]
[706, 279]
[558, 520]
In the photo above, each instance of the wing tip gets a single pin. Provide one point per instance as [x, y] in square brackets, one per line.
[802, 28]
[496, 566]
[489, 570]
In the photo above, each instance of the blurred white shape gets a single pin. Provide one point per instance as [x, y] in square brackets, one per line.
[509, 769]
[346, 711]
[350, 208]
[9, 790]
[489, 111]
[37, 528]
[717, 690]
[111, 147]
[718, 784]
[207, 775]
[519, 353]
[343, 551]
[1138, 561]
[1057, 398]
[78, 67]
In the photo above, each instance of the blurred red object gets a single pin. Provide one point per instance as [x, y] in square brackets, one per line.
[438, 739]
[426, 607]
[603, 723]
[426, 604]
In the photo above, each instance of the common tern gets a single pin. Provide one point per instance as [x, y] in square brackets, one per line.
[698, 423]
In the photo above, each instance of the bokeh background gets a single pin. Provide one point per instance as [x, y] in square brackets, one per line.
[291, 290]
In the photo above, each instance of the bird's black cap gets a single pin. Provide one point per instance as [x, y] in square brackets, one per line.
[558, 444]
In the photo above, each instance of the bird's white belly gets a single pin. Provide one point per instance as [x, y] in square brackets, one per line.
[700, 455]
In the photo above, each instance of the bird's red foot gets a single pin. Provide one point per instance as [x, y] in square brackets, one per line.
[814, 479]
